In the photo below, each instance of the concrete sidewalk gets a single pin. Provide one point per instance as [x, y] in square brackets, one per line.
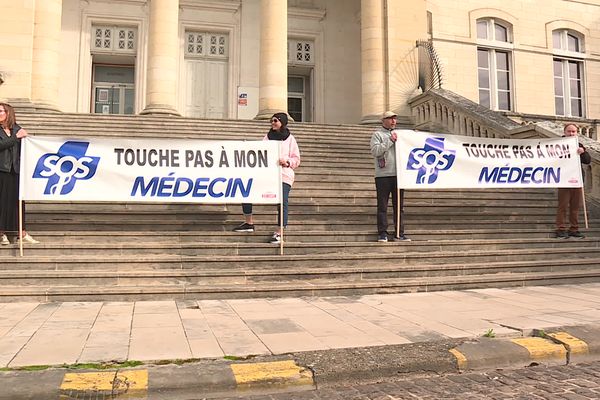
[236, 346]
[69, 333]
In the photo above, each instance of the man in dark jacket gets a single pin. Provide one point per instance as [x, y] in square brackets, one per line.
[569, 199]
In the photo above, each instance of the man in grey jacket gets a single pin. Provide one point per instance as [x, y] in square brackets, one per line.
[383, 149]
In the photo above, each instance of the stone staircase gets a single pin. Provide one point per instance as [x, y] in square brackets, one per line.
[135, 251]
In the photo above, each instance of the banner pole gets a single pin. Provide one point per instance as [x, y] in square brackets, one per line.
[585, 217]
[398, 206]
[20, 233]
[281, 224]
[280, 201]
[398, 211]
[21, 190]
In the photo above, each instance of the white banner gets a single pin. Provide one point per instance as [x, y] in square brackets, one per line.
[152, 170]
[438, 161]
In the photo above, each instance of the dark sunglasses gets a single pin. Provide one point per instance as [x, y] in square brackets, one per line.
[275, 120]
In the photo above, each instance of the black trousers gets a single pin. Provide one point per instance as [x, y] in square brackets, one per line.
[9, 203]
[386, 186]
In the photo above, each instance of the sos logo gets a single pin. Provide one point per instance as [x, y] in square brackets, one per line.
[430, 159]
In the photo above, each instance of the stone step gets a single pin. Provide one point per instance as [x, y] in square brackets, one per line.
[209, 249]
[135, 251]
[366, 226]
[304, 196]
[300, 216]
[267, 223]
[161, 121]
[380, 254]
[99, 278]
[262, 233]
[232, 248]
[292, 289]
[317, 190]
[146, 123]
[300, 196]
[304, 137]
[325, 209]
[298, 220]
[327, 161]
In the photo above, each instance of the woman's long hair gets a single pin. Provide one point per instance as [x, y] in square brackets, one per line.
[10, 120]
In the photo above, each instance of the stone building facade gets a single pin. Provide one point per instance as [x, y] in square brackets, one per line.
[326, 61]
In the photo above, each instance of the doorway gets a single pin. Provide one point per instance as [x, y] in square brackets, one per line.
[299, 98]
[113, 89]
[206, 74]
[206, 89]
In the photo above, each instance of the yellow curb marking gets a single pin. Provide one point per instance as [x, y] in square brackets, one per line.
[271, 371]
[460, 358]
[540, 348]
[132, 384]
[575, 346]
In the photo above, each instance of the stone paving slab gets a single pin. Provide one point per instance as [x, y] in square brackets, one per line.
[160, 343]
[52, 347]
[58, 333]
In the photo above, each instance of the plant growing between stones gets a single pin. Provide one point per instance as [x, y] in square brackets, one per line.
[490, 333]
[90, 366]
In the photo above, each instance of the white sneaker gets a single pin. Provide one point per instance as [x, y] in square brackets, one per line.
[28, 239]
[275, 239]
[4, 240]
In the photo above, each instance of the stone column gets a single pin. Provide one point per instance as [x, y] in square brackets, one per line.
[16, 29]
[46, 54]
[406, 23]
[372, 59]
[163, 50]
[273, 94]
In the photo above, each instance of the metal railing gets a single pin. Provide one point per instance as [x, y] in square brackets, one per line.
[430, 68]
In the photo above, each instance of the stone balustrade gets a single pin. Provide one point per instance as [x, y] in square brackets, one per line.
[587, 127]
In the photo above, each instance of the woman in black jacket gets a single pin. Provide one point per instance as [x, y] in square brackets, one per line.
[10, 158]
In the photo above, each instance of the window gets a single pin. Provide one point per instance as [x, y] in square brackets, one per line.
[301, 68]
[114, 39]
[493, 30]
[568, 73]
[494, 64]
[300, 52]
[202, 44]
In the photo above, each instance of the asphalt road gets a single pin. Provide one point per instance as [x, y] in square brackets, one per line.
[571, 382]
